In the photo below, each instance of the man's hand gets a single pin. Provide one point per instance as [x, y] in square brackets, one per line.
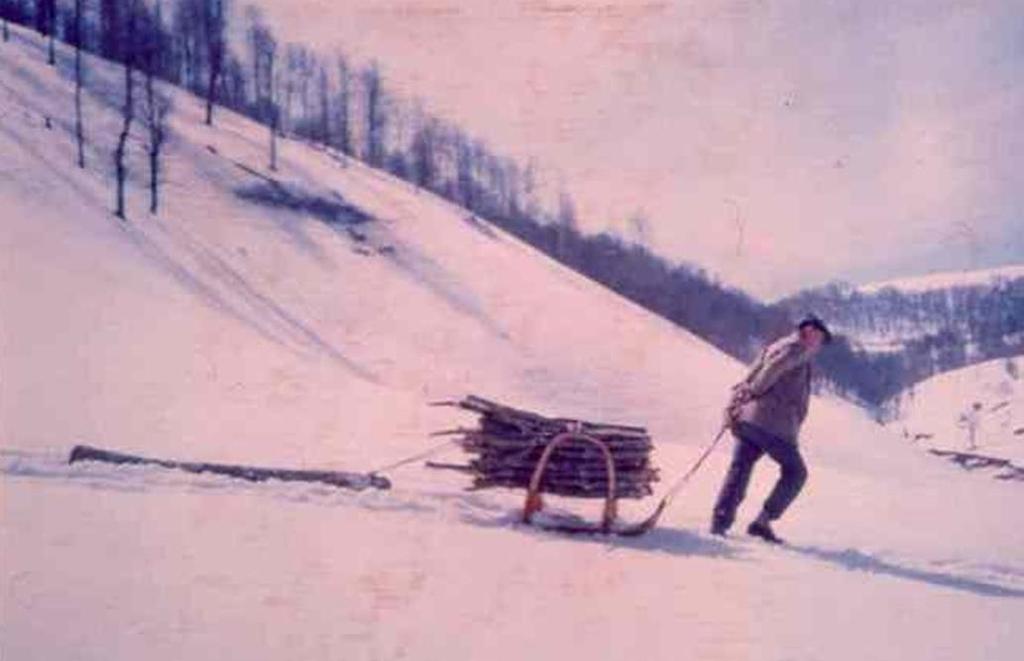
[741, 394]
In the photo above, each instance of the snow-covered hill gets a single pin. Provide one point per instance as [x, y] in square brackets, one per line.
[956, 291]
[886, 316]
[306, 318]
[948, 280]
[977, 409]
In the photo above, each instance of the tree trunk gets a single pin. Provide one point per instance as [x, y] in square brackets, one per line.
[154, 120]
[154, 178]
[215, 25]
[210, 87]
[273, 137]
[325, 107]
[344, 136]
[79, 128]
[120, 170]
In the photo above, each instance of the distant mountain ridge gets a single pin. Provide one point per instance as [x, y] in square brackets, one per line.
[947, 280]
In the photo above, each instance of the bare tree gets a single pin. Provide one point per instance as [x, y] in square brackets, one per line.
[79, 127]
[157, 108]
[497, 185]
[274, 126]
[110, 29]
[376, 117]
[324, 119]
[464, 170]
[127, 44]
[254, 35]
[232, 91]
[46, 25]
[187, 28]
[156, 105]
[297, 71]
[512, 182]
[567, 228]
[6, 10]
[263, 49]
[265, 81]
[401, 125]
[423, 147]
[12, 10]
[287, 74]
[214, 37]
[305, 70]
[529, 206]
[344, 130]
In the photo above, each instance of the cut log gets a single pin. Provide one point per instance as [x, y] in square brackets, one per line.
[340, 479]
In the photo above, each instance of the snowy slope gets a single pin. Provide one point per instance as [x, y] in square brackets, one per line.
[941, 411]
[229, 330]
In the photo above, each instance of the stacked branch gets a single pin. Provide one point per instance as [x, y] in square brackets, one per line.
[508, 443]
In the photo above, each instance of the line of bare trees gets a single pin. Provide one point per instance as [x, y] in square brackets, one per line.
[131, 32]
[293, 91]
[290, 88]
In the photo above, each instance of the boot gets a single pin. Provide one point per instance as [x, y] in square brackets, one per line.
[761, 529]
[719, 527]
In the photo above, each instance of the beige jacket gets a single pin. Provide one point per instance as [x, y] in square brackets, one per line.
[776, 392]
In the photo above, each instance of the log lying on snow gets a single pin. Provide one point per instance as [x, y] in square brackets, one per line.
[341, 479]
[507, 445]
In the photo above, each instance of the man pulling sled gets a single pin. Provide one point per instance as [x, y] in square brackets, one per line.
[765, 413]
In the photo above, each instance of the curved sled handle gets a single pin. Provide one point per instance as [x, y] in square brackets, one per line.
[533, 502]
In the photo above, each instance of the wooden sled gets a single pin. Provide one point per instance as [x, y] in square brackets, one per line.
[516, 448]
[533, 503]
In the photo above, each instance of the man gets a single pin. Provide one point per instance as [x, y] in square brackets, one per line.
[764, 414]
[970, 421]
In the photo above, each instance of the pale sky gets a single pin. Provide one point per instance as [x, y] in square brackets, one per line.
[777, 144]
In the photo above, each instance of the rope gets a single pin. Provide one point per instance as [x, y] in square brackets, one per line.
[416, 457]
[674, 489]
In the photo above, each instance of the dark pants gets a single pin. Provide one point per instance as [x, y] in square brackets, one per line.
[752, 443]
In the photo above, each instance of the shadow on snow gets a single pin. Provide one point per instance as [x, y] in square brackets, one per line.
[855, 560]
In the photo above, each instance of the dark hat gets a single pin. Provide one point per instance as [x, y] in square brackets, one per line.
[813, 320]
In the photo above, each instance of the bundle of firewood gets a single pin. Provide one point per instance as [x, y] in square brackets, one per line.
[508, 443]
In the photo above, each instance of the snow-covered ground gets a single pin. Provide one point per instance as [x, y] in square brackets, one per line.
[229, 330]
[977, 409]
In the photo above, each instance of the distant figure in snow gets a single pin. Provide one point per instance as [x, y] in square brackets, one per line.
[764, 414]
[970, 420]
